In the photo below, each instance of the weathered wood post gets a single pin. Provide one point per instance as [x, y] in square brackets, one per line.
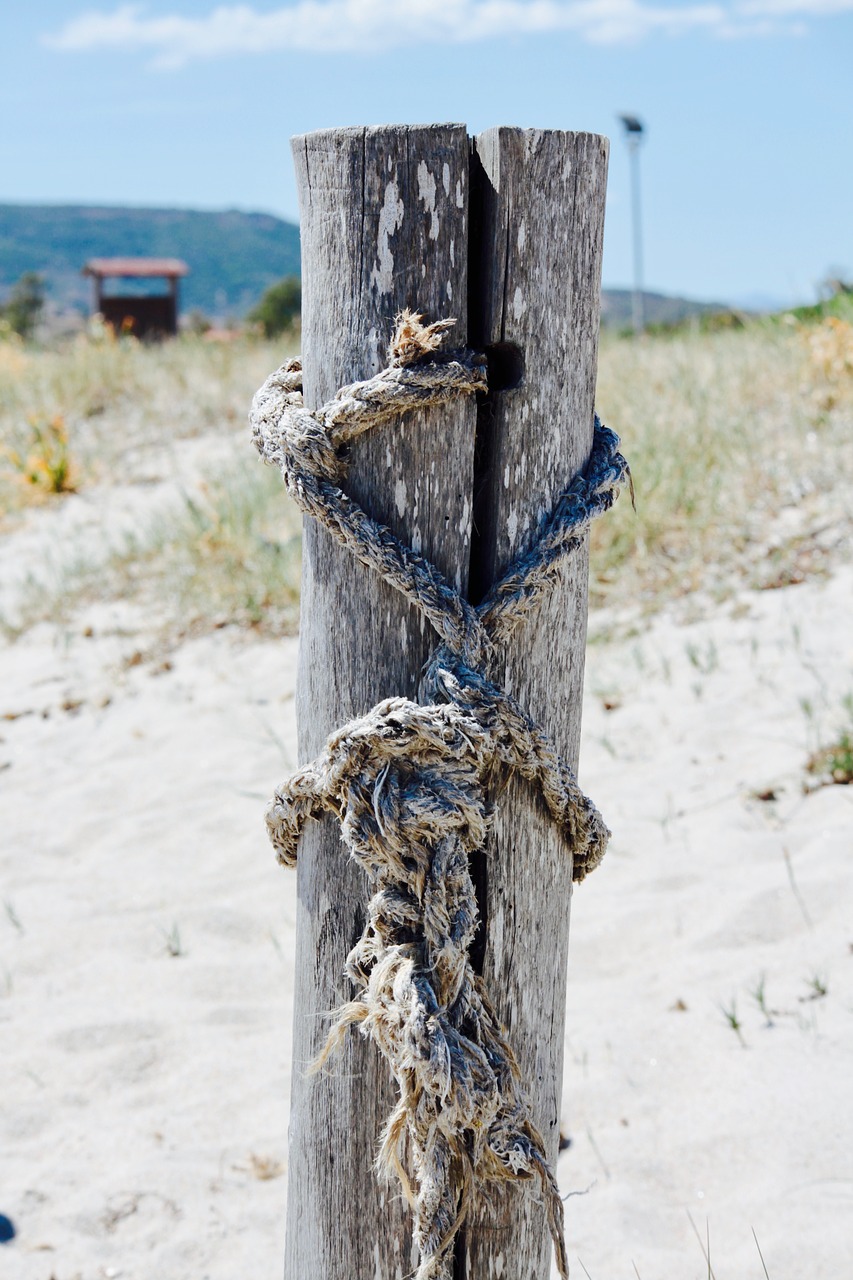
[539, 204]
[395, 217]
[384, 225]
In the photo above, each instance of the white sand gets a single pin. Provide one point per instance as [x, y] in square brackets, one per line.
[139, 1086]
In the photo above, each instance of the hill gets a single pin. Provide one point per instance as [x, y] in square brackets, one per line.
[658, 308]
[232, 256]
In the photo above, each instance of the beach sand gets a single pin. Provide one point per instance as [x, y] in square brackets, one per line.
[147, 938]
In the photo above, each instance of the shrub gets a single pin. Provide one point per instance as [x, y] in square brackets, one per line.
[23, 309]
[279, 307]
[197, 323]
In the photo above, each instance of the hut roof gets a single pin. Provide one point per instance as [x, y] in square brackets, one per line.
[101, 267]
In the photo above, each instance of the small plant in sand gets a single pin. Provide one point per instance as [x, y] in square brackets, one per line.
[833, 762]
[817, 988]
[12, 915]
[172, 939]
[45, 466]
[759, 995]
[732, 1019]
[705, 659]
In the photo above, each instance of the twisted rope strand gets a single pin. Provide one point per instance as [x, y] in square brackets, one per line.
[408, 784]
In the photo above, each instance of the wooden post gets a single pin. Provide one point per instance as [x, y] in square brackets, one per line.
[538, 201]
[385, 224]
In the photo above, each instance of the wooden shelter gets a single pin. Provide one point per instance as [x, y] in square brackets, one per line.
[141, 313]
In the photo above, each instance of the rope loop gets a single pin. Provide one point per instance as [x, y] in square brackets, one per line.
[408, 783]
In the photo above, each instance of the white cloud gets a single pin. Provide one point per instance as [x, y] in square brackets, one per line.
[325, 26]
[795, 8]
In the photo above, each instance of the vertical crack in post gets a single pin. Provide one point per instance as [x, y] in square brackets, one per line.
[505, 363]
[478, 569]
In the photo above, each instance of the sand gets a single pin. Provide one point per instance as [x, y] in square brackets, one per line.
[147, 937]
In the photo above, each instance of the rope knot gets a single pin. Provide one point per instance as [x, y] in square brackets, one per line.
[408, 783]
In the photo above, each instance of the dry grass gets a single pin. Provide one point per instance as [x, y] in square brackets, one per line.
[167, 419]
[740, 444]
[231, 553]
[119, 401]
[228, 552]
[741, 448]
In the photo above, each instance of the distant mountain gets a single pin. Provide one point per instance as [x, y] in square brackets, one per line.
[232, 256]
[658, 308]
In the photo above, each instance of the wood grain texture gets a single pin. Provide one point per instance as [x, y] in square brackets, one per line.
[384, 225]
[538, 206]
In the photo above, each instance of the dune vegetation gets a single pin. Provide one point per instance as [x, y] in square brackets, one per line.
[741, 449]
[740, 445]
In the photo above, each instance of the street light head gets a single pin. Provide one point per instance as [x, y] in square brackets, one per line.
[632, 125]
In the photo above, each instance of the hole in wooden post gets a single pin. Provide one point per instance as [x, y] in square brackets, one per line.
[505, 366]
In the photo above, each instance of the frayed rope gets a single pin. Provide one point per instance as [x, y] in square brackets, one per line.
[408, 784]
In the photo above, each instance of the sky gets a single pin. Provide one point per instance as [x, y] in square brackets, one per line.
[746, 167]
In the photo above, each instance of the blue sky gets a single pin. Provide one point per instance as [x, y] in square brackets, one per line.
[747, 170]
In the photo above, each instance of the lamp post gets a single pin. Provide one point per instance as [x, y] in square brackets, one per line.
[634, 131]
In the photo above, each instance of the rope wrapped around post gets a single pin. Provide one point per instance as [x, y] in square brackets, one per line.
[410, 784]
